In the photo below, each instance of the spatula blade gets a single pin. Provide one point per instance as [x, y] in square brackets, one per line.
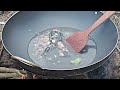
[78, 41]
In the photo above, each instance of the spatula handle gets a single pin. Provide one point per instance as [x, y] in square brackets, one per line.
[104, 17]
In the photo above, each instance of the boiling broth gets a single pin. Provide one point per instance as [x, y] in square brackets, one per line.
[52, 60]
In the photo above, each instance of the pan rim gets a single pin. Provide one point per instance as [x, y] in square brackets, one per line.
[22, 60]
[35, 65]
[3, 31]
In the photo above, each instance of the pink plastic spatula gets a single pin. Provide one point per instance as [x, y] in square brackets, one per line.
[78, 40]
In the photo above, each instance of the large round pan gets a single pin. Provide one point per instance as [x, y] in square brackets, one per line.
[24, 25]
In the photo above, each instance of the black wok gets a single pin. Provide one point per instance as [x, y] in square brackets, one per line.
[24, 25]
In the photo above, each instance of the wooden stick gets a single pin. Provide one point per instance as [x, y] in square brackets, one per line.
[12, 73]
[9, 75]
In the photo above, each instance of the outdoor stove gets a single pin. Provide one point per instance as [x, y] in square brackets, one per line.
[109, 70]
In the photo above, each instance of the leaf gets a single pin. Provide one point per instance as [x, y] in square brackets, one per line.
[76, 61]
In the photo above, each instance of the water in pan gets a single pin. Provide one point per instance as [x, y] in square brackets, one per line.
[54, 59]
